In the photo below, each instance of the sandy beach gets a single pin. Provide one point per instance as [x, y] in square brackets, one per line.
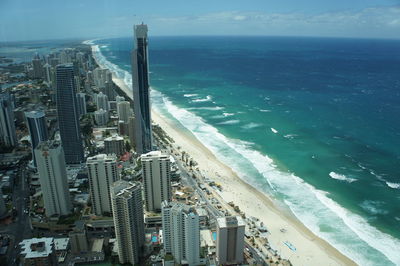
[310, 249]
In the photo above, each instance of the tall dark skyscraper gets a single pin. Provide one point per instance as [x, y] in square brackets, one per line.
[68, 119]
[140, 86]
[37, 126]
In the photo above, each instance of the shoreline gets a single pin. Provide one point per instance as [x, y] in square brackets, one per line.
[311, 249]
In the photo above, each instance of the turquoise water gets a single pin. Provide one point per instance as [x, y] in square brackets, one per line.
[313, 122]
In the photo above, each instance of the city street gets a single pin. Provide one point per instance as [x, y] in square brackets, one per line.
[20, 228]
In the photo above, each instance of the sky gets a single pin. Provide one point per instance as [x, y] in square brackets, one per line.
[86, 19]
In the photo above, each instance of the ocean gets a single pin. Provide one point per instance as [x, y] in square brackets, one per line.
[313, 122]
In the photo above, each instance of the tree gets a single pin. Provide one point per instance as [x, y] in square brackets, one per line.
[127, 146]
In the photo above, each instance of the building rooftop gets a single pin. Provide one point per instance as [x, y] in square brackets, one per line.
[61, 243]
[101, 157]
[154, 154]
[230, 221]
[49, 144]
[37, 247]
[98, 245]
[34, 114]
[113, 138]
[124, 188]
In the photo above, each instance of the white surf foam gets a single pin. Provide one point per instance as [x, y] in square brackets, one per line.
[265, 111]
[290, 136]
[218, 116]
[342, 177]
[251, 125]
[201, 100]
[393, 185]
[373, 207]
[228, 114]
[211, 108]
[230, 122]
[190, 95]
[303, 199]
[352, 234]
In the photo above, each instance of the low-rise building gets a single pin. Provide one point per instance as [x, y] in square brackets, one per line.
[38, 251]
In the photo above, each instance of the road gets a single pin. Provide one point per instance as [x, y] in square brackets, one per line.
[189, 181]
[20, 229]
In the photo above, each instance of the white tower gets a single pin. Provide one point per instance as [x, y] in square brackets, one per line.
[124, 111]
[103, 172]
[181, 232]
[156, 179]
[53, 178]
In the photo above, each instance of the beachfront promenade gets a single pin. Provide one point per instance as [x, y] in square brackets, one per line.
[256, 246]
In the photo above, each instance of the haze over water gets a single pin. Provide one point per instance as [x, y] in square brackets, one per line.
[313, 122]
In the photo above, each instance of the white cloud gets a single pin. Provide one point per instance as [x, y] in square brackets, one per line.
[370, 22]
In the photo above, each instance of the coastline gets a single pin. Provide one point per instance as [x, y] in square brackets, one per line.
[311, 249]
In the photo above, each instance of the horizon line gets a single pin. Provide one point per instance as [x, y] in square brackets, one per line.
[201, 35]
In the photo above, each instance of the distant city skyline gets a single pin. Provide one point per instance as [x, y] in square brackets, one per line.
[26, 20]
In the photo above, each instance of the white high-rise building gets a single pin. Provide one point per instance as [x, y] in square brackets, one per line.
[124, 111]
[156, 179]
[81, 103]
[127, 206]
[119, 98]
[101, 117]
[53, 178]
[47, 74]
[230, 240]
[102, 101]
[103, 172]
[101, 76]
[181, 233]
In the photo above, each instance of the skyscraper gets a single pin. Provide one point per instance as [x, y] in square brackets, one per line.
[37, 67]
[36, 122]
[67, 112]
[102, 101]
[53, 178]
[181, 232]
[103, 173]
[230, 240]
[124, 111]
[8, 135]
[156, 179]
[81, 103]
[131, 130]
[101, 117]
[140, 86]
[128, 217]
[47, 74]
